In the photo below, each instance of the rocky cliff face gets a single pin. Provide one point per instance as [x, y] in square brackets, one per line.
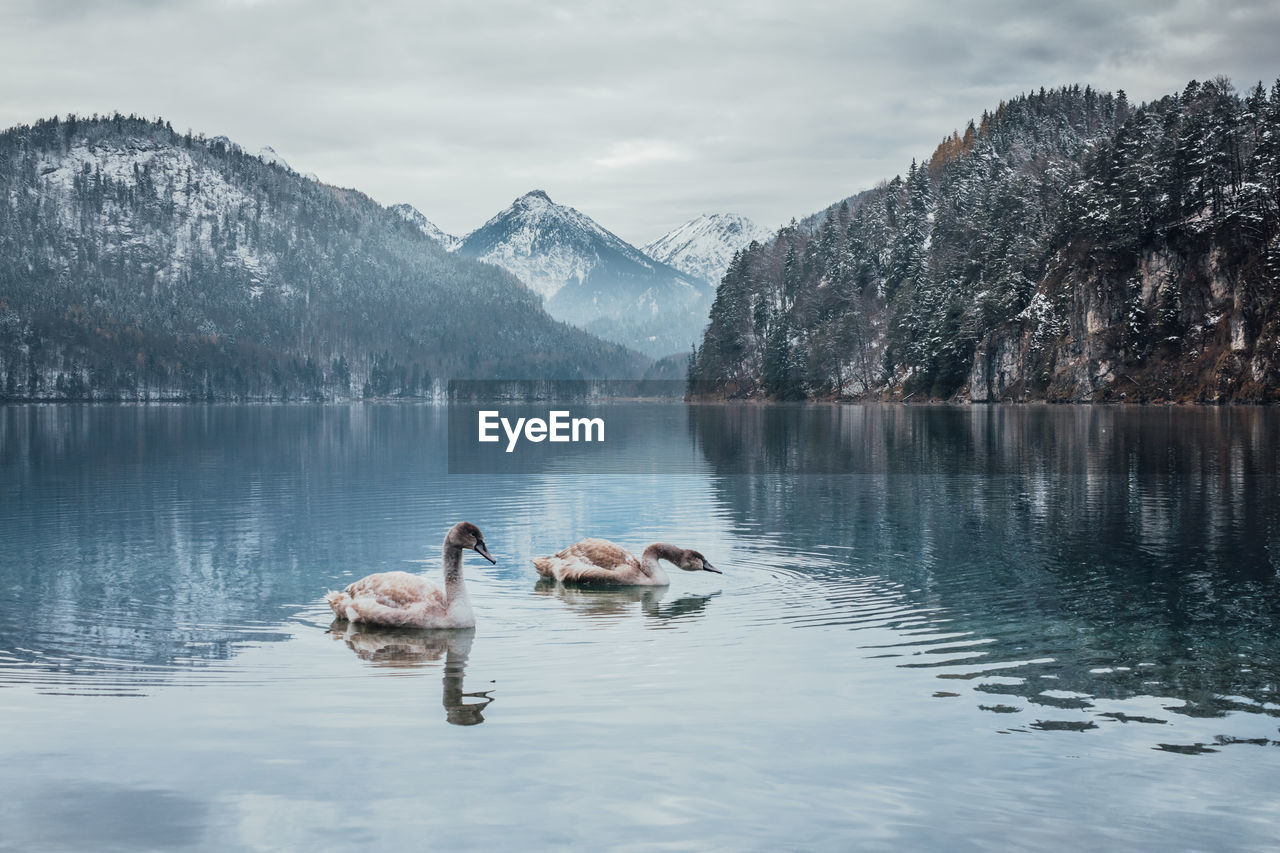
[1187, 323]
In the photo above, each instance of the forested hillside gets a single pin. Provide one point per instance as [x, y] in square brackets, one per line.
[139, 263]
[1066, 246]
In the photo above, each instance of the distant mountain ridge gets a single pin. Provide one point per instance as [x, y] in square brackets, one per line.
[591, 277]
[653, 299]
[704, 246]
[138, 263]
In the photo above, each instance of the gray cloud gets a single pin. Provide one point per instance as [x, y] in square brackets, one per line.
[642, 116]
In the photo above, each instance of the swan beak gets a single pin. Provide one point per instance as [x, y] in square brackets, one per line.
[484, 552]
[707, 567]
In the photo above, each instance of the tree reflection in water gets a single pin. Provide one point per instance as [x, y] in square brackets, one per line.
[1110, 553]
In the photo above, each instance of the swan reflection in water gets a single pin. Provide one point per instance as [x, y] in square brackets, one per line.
[416, 647]
[598, 601]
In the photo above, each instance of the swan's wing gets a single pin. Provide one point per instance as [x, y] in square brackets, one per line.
[395, 589]
[389, 598]
[590, 561]
[601, 553]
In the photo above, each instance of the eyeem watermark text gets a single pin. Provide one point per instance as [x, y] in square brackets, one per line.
[558, 426]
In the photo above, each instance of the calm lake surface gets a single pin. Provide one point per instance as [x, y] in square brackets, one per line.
[943, 628]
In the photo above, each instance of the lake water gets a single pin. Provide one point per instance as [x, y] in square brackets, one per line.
[955, 628]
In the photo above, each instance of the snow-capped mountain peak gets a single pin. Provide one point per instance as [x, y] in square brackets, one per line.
[547, 245]
[411, 214]
[534, 199]
[591, 277]
[705, 245]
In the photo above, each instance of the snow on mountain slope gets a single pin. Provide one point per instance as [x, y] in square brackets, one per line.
[426, 226]
[198, 193]
[137, 263]
[704, 246]
[548, 245]
[269, 155]
[591, 277]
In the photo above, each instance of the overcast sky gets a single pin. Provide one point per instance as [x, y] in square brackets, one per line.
[641, 115]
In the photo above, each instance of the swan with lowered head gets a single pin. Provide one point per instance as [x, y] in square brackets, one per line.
[599, 561]
[403, 600]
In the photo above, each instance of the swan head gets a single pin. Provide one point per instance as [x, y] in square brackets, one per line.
[692, 561]
[464, 534]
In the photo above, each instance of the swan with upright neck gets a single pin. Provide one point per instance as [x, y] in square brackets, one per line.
[599, 561]
[404, 600]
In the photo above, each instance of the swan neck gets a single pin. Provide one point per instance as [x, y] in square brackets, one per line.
[659, 551]
[455, 589]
